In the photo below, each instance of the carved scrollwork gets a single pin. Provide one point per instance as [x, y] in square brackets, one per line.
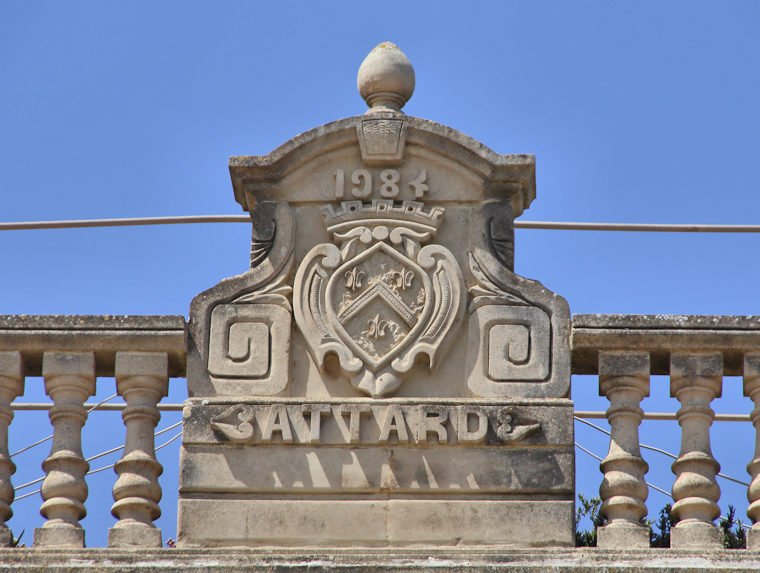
[486, 290]
[509, 431]
[249, 331]
[260, 246]
[277, 291]
[511, 336]
[235, 423]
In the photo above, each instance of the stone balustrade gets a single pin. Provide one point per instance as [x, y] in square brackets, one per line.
[70, 353]
[696, 352]
[143, 352]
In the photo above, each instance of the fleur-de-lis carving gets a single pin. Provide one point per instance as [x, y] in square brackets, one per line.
[376, 327]
[402, 278]
[353, 278]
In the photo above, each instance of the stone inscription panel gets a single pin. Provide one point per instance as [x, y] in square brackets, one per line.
[385, 184]
[379, 424]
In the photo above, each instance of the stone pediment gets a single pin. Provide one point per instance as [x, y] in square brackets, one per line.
[482, 174]
[411, 189]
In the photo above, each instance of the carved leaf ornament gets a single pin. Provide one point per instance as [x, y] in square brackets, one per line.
[376, 298]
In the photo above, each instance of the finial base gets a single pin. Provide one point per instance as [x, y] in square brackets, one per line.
[385, 101]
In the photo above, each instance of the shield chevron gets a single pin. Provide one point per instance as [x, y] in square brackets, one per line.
[377, 302]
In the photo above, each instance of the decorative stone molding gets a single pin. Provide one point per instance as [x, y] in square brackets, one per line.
[518, 339]
[240, 330]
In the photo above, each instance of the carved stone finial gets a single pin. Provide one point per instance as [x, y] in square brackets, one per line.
[386, 78]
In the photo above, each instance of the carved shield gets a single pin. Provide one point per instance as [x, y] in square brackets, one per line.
[379, 299]
[378, 302]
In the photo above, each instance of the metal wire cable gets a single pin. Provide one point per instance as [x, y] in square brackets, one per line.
[658, 416]
[652, 486]
[659, 451]
[100, 455]
[124, 222]
[545, 225]
[108, 467]
[166, 443]
[121, 447]
[593, 455]
[50, 437]
[167, 428]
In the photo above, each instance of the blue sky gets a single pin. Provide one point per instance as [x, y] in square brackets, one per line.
[637, 112]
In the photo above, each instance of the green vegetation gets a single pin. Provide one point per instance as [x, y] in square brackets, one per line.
[588, 508]
[734, 534]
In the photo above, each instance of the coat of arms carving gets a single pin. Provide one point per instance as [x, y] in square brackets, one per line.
[376, 298]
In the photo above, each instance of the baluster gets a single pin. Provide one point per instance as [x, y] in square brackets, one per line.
[752, 389]
[624, 380]
[69, 381]
[11, 386]
[142, 378]
[695, 380]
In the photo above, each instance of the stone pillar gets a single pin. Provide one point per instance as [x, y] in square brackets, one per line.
[752, 389]
[69, 381]
[11, 386]
[624, 380]
[397, 286]
[695, 380]
[142, 379]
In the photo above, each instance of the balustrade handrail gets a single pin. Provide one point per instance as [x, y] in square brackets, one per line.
[660, 336]
[104, 335]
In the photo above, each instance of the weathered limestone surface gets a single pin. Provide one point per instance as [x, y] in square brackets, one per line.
[374, 522]
[660, 335]
[369, 560]
[380, 376]
[103, 335]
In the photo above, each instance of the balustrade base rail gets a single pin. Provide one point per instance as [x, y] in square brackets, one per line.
[374, 560]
